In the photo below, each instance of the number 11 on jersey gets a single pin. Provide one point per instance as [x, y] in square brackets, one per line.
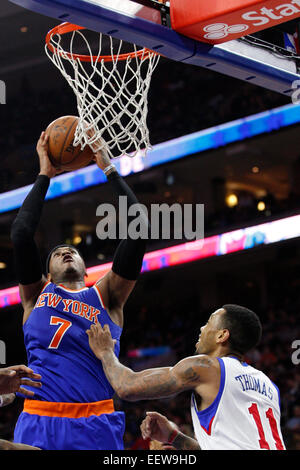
[253, 410]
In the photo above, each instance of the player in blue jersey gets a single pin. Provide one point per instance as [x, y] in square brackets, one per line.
[74, 408]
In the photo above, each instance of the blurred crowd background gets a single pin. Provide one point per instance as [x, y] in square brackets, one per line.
[170, 331]
[175, 110]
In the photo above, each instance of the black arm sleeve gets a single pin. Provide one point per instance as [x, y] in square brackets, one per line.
[128, 258]
[27, 259]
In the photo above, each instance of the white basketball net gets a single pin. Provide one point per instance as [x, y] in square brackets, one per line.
[111, 95]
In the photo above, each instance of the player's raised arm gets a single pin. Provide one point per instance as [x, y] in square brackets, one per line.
[117, 285]
[161, 382]
[27, 259]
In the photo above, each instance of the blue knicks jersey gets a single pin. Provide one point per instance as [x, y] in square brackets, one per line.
[57, 344]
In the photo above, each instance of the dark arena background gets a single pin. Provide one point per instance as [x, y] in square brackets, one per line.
[249, 181]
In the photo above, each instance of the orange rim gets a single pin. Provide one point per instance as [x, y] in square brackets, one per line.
[66, 27]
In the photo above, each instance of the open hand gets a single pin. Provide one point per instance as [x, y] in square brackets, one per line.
[100, 339]
[46, 167]
[13, 378]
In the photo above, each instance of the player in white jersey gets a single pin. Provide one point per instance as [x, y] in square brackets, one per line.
[233, 405]
[247, 406]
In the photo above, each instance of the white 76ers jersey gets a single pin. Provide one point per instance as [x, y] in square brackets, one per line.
[245, 414]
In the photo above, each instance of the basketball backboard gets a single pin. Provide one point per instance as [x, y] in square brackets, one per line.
[145, 23]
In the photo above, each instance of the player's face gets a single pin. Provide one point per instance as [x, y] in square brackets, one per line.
[66, 261]
[208, 332]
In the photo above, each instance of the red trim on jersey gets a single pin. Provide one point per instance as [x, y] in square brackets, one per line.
[209, 427]
[45, 285]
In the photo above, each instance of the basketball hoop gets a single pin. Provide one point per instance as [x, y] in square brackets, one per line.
[111, 90]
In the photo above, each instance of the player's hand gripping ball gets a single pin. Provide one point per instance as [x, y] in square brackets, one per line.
[62, 153]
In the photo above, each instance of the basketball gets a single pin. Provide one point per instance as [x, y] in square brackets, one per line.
[62, 153]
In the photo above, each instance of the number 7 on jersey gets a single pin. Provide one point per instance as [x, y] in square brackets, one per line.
[58, 335]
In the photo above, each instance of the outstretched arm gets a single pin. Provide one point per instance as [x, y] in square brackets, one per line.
[117, 285]
[152, 383]
[27, 259]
